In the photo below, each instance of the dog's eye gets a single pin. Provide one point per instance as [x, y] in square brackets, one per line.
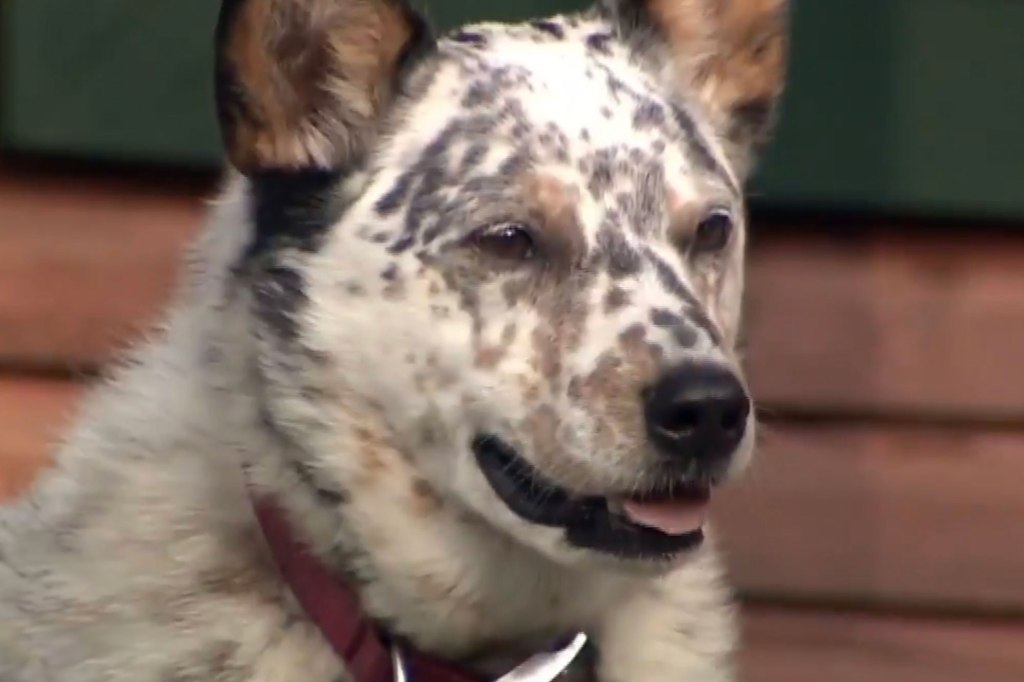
[713, 232]
[507, 241]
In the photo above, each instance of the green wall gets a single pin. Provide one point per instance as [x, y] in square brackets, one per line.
[904, 106]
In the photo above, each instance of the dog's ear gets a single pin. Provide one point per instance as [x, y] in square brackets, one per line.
[303, 84]
[730, 53]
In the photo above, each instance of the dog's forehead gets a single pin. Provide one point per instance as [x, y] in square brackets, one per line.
[561, 92]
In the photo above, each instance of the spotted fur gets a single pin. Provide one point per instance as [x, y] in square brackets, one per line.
[348, 327]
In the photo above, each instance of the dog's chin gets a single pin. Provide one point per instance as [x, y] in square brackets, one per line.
[659, 526]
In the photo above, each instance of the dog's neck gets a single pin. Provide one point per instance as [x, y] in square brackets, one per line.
[430, 571]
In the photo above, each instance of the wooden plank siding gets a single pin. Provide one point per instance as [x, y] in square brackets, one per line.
[904, 515]
[823, 646]
[918, 321]
[86, 261]
[33, 413]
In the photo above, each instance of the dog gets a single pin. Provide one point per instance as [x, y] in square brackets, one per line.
[453, 365]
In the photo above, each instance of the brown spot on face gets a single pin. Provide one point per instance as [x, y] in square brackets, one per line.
[640, 357]
[563, 310]
[547, 357]
[605, 393]
[283, 63]
[488, 357]
[425, 499]
[554, 205]
[683, 220]
[531, 389]
[371, 452]
[517, 290]
[394, 290]
[613, 391]
[542, 425]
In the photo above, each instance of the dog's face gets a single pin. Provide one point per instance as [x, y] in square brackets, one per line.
[513, 255]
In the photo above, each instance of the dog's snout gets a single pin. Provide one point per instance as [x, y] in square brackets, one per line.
[697, 411]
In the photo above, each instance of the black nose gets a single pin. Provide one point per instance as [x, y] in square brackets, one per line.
[697, 411]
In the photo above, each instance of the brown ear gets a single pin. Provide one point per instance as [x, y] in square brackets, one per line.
[303, 84]
[731, 53]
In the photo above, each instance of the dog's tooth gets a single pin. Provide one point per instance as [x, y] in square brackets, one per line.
[616, 506]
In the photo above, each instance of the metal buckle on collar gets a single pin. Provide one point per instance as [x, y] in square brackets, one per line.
[398, 664]
[543, 667]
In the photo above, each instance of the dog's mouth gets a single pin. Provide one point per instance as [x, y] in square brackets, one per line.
[657, 525]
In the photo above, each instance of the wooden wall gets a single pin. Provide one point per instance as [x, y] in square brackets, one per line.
[879, 535]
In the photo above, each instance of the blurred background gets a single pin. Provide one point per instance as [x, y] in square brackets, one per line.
[880, 535]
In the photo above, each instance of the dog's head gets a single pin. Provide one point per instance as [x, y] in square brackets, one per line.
[512, 255]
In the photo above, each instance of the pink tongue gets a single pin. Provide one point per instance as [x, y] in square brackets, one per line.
[672, 518]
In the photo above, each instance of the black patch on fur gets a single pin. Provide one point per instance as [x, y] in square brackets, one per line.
[600, 43]
[751, 120]
[396, 196]
[665, 319]
[681, 331]
[229, 95]
[421, 45]
[279, 293]
[552, 28]
[671, 282]
[479, 94]
[621, 259]
[402, 245]
[630, 15]
[390, 273]
[474, 156]
[420, 187]
[648, 114]
[429, 168]
[291, 209]
[469, 38]
[700, 150]
[601, 173]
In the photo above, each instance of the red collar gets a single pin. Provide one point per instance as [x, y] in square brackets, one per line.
[335, 610]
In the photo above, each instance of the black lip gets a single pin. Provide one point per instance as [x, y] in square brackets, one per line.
[587, 521]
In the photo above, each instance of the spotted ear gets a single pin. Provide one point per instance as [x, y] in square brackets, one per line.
[303, 84]
[731, 53]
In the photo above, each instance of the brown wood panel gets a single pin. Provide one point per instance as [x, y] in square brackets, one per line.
[926, 321]
[813, 646]
[905, 515]
[86, 261]
[33, 414]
